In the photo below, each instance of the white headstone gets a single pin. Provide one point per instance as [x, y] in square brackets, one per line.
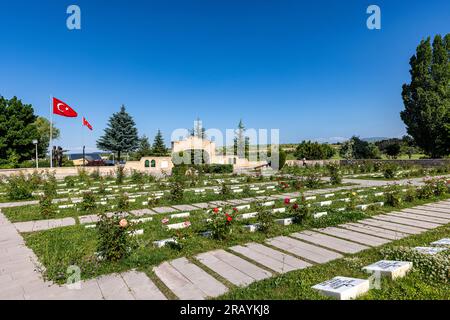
[443, 242]
[343, 288]
[389, 268]
[429, 250]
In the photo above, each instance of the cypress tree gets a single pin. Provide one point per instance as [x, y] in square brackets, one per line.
[121, 134]
[159, 148]
[427, 97]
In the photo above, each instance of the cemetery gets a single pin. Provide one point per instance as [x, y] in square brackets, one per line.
[284, 223]
[337, 187]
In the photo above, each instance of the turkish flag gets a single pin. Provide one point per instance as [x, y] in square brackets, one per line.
[86, 123]
[61, 108]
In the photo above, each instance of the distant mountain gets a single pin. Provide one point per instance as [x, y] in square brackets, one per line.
[374, 139]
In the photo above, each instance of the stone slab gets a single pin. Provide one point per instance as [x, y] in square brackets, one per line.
[113, 287]
[270, 258]
[405, 221]
[343, 288]
[443, 242]
[164, 209]
[354, 236]
[304, 250]
[430, 250]
[185, 207]
[329, 242]
[389, 268]
[200, 278]
[141, 287]
[374, 231]
[202, 205]
[178, 283]
[236, 270]
[226, 271]
[142, 212]
[428, 213]
[419, 217]
[391, 226]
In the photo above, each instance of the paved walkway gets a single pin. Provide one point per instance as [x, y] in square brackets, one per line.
[240, 265]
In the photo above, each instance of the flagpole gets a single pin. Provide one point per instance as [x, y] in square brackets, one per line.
[51, 132]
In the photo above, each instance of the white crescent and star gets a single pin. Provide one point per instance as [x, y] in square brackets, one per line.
[58, 107]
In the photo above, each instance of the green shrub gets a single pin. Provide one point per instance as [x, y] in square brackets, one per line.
[389, 171]
[122, 202]
[351, 204]
[311, 179]
[120, 174]
[410, 194]
[50, 185]
[46, 207]
[335, 173]
[82, 175]
[432, 267]
[70, 181]
[300, 212]
[221, 224]
[113, 241]
[35, 179]
[176, 190]
[225, 190]
[264, 218]
[95, 174]
[182, 237]
[137, 177]
[393, 197]
[18, 187]
[88, 202]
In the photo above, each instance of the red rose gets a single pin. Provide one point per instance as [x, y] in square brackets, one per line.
[216, 210]
[287, 201]
[229, 218]
[235, 209]
[295, 206]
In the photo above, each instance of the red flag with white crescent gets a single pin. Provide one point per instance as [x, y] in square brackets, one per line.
[63, 109]
[86, 123]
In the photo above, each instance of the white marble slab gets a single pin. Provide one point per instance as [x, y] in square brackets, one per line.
[343, 288]
[389, 268]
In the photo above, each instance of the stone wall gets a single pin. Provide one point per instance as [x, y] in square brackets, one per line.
[417, 162]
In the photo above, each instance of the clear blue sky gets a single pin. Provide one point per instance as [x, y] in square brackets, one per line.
[310, 68]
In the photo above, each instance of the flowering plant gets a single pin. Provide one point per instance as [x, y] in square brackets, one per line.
[221, 223]
[300, 212]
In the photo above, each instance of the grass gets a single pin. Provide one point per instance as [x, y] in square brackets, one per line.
[297, 285]
[31, 212]
[75, 245]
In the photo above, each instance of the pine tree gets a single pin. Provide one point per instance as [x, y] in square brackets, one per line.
[121, 134]
[427, 97]
[159, 148]
[144, 148]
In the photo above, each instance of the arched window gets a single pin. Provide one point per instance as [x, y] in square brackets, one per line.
[153, 165]
[147, 163]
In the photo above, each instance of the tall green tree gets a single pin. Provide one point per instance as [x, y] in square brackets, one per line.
[159, 147]
[313, 151]
[144, 147]
[355, 148]
[427, 97]
[121, 134]
[17, 130]
[43, 127]
[241, 142]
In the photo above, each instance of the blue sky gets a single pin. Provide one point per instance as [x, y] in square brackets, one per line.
[310, 68]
